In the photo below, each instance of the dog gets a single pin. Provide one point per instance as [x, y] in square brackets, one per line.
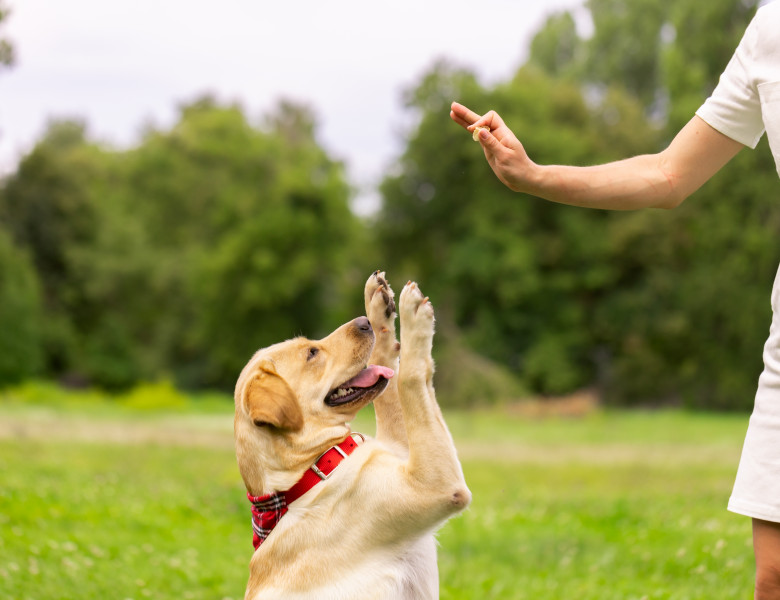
[337, 516]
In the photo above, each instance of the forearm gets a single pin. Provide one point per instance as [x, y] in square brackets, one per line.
[638, 182]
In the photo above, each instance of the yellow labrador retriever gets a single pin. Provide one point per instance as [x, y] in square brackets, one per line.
[336, 516]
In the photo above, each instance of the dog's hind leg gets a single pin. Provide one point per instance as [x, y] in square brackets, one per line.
[381, 312]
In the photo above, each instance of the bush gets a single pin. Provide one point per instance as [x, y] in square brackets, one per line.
[152, 396]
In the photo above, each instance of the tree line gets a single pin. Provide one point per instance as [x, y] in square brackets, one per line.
[180, 257]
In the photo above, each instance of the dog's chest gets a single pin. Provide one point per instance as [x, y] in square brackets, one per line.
[407, 572]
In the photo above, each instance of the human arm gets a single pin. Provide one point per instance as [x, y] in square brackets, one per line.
[661, 180]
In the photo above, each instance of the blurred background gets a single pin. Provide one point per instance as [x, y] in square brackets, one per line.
[184, 183]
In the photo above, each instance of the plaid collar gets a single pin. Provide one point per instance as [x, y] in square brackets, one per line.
[268, 510]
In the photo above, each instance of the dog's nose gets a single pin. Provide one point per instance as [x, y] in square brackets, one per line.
[362, 323]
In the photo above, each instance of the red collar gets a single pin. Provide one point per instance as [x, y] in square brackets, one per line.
[269, 509]
[323, 467]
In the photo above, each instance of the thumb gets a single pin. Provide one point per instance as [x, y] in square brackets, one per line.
[485, 137]
[498, 140]
[489, 142]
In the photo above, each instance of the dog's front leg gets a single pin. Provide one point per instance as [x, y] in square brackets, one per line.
[380, 310]
[433, 461]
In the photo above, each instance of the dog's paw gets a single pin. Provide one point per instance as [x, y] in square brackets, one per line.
[417, 319]
[380, 310]
[380, 299]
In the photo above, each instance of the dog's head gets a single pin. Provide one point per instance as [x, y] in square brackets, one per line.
[294, 400]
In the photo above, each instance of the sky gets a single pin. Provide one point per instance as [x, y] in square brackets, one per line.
[120, 65]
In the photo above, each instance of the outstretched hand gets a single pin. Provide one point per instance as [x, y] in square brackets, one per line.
[503, 151]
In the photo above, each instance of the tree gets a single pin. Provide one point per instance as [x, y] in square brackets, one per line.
[48, 211]
[624, 48]
[20, 315]
[7, 55]
[699, 39]
[526, 273]
[286, 251]
[668, 56]
[651, 307]
[557, 48]
[184, 255]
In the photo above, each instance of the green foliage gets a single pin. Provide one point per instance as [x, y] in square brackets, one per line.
[466, 379]
[144, 399]
[20, 315]
[624, 45]
[651, 307]
[699, 39]
[183, 256]
[161, 395]
[176, 260]
[51, 213]
[667, 56]
[38, 393]
[527, 274]
[557, 48]
[691, 313]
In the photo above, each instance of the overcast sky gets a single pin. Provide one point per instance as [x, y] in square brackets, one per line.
[120, 64]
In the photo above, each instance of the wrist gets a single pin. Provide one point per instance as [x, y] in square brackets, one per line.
[533, 179]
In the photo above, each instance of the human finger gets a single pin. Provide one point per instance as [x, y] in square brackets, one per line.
[491, 120]
[463, 115]
[460, 121]
[499, 140]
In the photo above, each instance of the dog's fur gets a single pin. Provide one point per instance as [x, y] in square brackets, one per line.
[367, 531]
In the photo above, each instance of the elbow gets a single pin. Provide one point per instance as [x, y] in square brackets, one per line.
[449, 503]
[450, 500]
[670, 187]
[671, 201]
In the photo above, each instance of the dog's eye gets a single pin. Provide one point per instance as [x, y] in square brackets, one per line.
[312, 353]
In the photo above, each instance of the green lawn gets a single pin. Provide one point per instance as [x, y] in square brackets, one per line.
[115, 503]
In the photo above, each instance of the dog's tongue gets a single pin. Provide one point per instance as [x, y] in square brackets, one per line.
[369, 376]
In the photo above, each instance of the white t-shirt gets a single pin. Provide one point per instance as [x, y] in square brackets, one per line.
[745, 103]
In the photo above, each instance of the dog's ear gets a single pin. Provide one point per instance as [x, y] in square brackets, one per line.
[270, 400]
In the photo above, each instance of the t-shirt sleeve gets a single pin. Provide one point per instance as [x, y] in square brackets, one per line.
[734, 108]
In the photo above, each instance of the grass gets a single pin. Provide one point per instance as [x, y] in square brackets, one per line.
[101, 500]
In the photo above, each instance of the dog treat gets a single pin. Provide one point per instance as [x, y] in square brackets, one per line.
[475, 133]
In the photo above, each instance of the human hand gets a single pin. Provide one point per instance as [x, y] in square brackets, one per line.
[503, 151]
